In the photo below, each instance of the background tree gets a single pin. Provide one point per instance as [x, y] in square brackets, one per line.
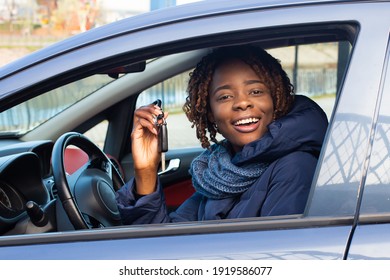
[74, 16]
[11, 7]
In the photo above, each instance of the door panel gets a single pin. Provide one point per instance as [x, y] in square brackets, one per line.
[303, 243]
[370, 242]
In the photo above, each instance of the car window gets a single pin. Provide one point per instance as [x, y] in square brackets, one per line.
[313, 70]
[318, 72]
[338, 181]
[28, 115]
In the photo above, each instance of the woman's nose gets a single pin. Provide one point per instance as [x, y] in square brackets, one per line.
[242, 102]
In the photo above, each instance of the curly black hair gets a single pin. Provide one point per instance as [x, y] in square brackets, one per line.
[264, 65]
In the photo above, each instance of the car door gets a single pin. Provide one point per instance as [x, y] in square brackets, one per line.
[371, 225]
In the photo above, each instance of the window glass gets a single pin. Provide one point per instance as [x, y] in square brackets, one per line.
[313, 70]
[337, 186]
[32, 113]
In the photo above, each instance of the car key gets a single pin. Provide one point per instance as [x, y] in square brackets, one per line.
[163, 137]
[162, 134]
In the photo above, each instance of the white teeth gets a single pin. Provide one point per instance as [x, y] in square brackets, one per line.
[246, 121]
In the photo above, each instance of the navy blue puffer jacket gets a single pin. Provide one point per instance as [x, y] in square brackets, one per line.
[292, 147]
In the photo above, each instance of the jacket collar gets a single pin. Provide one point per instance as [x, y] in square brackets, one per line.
[302, 129]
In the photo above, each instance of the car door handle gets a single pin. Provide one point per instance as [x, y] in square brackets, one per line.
[173, 165]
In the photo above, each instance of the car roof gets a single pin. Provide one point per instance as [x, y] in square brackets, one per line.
[152, 19]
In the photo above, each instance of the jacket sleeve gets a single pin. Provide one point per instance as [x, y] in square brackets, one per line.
[189, 210]
[289, 185]
[148, 209]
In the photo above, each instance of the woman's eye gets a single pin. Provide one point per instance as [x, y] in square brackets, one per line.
[223, 97]
[257, 92]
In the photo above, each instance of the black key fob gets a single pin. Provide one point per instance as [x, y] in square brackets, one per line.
[163, 138]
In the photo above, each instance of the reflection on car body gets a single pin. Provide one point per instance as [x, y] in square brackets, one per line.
[335, 52]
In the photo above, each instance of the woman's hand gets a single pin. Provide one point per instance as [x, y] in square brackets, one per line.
[144, 139]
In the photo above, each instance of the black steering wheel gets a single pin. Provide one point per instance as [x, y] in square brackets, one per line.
[87, 195]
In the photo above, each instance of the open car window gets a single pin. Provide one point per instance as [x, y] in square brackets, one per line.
[315, 70]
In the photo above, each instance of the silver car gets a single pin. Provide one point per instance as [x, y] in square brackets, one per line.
[86, 87]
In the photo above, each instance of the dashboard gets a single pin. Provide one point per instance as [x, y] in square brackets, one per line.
[11, 201]
[24, 173]
[29, 201]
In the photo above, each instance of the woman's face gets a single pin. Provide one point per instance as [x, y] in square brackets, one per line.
[241, 105]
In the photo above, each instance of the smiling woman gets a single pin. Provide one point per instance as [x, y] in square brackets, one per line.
[266, 162]
[236, 86]
[239, 76]
[273, 181]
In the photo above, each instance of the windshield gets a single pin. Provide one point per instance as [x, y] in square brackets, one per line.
[26, 116]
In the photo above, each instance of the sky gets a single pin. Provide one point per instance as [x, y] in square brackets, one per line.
[117, 9]
[141, 5]
[125, 8]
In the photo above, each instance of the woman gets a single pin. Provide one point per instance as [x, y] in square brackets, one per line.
[265, 164]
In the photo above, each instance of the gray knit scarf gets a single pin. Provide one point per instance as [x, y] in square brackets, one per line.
[214, 175]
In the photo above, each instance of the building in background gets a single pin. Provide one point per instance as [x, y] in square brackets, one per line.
[70, 16]
[28, 25]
